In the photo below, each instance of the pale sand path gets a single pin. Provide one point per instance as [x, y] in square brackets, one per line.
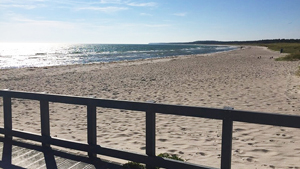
[235, 78]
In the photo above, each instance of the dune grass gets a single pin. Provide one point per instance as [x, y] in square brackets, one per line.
[170, 156]
[289, 57]
[293, 50]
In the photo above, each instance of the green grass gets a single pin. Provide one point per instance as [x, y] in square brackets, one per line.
[290, 57]
[135, 165]
[287, 47]
[293, 50]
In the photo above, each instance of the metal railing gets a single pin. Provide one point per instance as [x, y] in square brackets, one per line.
[149, 158]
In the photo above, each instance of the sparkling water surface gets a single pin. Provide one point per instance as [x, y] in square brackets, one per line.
[18, 55]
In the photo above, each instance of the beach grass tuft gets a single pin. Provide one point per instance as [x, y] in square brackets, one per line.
[135, 165]
[170, 156]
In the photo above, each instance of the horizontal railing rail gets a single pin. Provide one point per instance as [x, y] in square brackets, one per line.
[150, 159]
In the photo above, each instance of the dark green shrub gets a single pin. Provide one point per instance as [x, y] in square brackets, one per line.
[133, 165]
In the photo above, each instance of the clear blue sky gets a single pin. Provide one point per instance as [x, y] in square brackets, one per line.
[141, 21]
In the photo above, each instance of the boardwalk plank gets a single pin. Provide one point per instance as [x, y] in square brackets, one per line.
[35, 159]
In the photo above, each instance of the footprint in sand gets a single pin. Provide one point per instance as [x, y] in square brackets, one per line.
[261, 150]
[201, 153]
[239, 129]
[250, 159]
[162, 140]
[172, 151]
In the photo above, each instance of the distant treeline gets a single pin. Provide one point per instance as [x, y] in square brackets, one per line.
[265, 41]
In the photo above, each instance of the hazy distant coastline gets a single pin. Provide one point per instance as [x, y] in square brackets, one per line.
[248, 42]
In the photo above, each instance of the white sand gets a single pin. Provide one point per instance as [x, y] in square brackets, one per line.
[236, 78]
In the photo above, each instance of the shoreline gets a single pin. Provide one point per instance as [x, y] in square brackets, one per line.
[120, 61]
[235, 78]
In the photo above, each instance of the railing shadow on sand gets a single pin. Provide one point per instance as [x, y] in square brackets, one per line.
[228, 116]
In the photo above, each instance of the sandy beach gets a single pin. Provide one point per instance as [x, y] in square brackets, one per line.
[235, 78]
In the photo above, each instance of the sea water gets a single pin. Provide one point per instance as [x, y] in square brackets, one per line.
[18, 55]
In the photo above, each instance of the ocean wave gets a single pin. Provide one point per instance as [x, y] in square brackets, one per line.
[76, 52]
[40, 54]
[129, 52]
[6, 56]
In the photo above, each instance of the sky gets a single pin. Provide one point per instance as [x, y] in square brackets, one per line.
[141, 21]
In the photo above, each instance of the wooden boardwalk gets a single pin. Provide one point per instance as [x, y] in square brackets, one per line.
[19, 155]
